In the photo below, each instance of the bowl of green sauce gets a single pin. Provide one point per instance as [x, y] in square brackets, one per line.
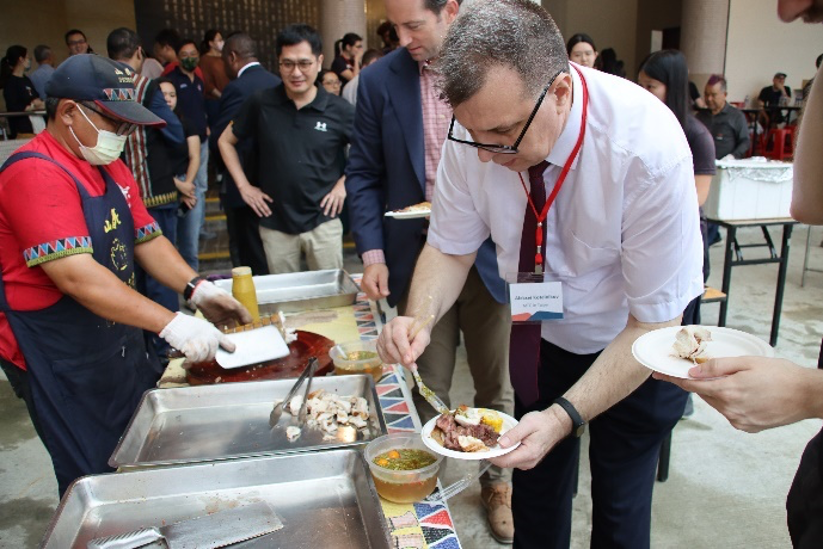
[403, 468]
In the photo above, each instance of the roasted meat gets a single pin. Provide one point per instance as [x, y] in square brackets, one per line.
[451, 431]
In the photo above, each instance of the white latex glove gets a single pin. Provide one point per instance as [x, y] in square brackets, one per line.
[729, 157]
[197, 339]
[218, 306]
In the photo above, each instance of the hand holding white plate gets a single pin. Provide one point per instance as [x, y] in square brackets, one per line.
[496, 450]
[654, 349]
[421, 210]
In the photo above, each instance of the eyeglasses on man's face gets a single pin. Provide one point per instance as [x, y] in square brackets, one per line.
[506, 149]
[303, 65]
[121, 127]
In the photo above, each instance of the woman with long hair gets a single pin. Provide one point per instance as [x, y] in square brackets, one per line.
[348, 53]
[18, 89]
[581, 49]
[211, 63]
[664, 74]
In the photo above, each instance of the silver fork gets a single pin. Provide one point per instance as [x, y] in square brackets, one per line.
[458, 486]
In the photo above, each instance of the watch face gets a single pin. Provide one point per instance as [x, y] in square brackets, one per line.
[578, 431]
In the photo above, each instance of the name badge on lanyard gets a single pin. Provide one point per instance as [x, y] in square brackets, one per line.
[534, 300]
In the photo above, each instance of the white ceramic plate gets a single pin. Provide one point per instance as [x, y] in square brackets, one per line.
[252, 347]
[429, 441]
[399, 215]
[654, 349]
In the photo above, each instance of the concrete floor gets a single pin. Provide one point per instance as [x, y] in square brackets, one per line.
[726, 488]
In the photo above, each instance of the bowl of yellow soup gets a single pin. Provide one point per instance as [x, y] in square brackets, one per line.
[357, 357]
[403, 468]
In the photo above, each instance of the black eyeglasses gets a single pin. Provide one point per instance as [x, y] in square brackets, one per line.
[122, 128]
[303, 65]
[506, 149]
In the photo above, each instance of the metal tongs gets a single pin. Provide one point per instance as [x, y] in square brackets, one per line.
[308, 372]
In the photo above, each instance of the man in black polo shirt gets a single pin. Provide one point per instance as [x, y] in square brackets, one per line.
[300, 132]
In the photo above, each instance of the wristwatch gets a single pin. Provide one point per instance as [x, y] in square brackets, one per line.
[190, 287]
[578, 423]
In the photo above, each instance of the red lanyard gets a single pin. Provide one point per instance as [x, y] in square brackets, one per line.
[539, 234]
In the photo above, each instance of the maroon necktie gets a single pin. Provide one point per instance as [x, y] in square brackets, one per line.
[525, 339]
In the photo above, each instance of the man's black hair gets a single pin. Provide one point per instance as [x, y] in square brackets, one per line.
[122, 44]
[168, 37]
[297, 33]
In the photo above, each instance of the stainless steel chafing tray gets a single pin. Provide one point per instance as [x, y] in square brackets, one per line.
[223, 421]
[326, 500]
[291, 292]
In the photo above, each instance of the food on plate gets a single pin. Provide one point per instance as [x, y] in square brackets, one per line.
[405, 459]
[691, 344]
[420, 207]
[330, 412]
[468, 429]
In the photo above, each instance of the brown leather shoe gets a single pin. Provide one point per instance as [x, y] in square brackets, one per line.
[497, 500]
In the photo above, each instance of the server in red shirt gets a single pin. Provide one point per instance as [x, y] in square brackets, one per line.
[72, 226]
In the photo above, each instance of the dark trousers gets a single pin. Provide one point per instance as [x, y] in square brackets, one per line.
[19, 380]
[166, 218]
[804, 499]
[624, 445]
[244, 239]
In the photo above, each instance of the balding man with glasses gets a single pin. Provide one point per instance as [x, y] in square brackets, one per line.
[585, 184]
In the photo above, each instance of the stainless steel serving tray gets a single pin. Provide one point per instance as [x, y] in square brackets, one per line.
[224, 421]
[326, 500]
[292, 292]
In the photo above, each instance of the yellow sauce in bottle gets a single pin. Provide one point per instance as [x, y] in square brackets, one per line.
[243, 289]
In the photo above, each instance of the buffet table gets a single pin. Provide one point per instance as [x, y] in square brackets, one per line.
[419, 525]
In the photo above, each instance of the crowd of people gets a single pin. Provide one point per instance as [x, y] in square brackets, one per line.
[554, 188]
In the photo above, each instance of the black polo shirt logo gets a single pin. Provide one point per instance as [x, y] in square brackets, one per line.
[320, 126]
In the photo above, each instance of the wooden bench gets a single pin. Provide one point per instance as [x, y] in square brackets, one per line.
[713, 295]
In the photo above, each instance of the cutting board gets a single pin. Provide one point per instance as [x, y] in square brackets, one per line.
[308, 344]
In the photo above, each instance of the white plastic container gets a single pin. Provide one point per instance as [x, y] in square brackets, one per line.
[750, 189]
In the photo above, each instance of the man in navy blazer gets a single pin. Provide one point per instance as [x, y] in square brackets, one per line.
[400, 126]
[249, 76]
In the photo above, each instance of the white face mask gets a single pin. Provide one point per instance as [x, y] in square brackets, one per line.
[108, 148]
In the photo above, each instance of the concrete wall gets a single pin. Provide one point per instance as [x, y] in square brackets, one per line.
[759, 45]
[653, 15]
[611, 24]
[46, 22]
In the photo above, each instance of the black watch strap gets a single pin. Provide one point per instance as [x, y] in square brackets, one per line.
[578, 423]
[190, 287]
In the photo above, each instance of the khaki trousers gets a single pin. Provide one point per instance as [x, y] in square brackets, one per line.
[485, 324]
[323, 247]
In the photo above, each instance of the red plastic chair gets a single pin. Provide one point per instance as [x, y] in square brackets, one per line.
[779, 143]
[756, 145]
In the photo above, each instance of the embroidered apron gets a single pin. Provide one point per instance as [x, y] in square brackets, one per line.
[87, 374]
